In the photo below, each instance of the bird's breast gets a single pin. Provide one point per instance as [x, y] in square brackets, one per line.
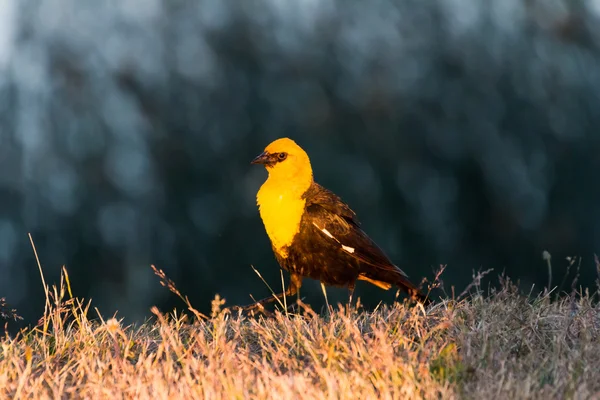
[281, 214]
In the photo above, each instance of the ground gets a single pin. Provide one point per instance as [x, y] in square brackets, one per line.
[503, 344]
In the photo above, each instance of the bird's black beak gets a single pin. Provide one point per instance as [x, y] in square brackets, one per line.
[265, 158]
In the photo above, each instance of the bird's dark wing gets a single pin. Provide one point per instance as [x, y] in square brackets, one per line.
[337, 222]
[318, 196]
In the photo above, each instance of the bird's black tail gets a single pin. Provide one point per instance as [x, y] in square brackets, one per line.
[404, 284]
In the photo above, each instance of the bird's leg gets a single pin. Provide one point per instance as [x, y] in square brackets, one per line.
[325, 294]
[292, 289]
[350, 292]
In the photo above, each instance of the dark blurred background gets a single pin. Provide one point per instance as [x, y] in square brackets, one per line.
[462, 132]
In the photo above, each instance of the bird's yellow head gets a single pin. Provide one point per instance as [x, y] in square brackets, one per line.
[286, 162]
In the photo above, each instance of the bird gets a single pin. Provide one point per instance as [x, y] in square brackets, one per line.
[313, 233]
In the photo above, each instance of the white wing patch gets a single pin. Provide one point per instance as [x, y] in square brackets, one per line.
[347, 249]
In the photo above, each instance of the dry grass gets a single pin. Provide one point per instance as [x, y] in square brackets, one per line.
[501, 346]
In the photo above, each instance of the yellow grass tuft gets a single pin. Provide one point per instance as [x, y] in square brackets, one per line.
[504, 345]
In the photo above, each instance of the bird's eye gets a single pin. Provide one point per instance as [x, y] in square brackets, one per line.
[281, 156]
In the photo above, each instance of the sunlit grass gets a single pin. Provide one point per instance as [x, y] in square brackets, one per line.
[502, 345]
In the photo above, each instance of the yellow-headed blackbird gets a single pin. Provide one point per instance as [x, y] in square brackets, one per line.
[313, 232]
